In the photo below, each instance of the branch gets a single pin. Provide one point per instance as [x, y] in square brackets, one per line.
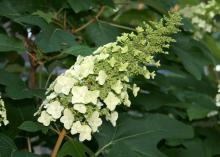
[90, 21]
[58, 143]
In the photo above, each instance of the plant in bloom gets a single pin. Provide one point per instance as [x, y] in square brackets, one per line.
[202, 17]
[3, 116]
[93, 88]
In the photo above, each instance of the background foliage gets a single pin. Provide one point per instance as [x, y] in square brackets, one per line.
[40, 39]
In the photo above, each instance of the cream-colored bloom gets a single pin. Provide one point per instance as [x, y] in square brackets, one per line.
[75, 127]
[80, 108]
[135, 89]
[113, 118]
[67, 118]
[101, 77]
[3, 116]
[123, 66]
[124, 49]
[92, 97]
[79, 94]
[45, 118]
[85, 67]
[63, 84]
[85, 133]
[94, 121]
[111, 101]
[102, 56]
[117, 87]
[112, 62]
[55, 109]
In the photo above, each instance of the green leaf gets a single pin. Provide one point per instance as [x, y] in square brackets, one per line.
[79, 5]
[54, 39]
[79, 50]
[48, 17]
[139, 136]
[11, 44]
[16, 88]
[75, 149]
[24, 154]
[193, 55]
[7, 146]
[31, 126]
[101, 33]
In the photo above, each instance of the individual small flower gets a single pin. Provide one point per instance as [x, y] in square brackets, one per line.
[84, 68]
[75, 127]
[85, 133]
[63, 84]
[67, 118]
[79, 94]
[112, 62]
[92, 97]
[117, 87]
[45, 118]
[80, 108]
[111, 101]
[102, 56]
[124, 49]
[94, 121]
[101, 77]
[135, 89]
[3, 116]
[212, 113]
[123, 66]
[113, 118]
[55, 109]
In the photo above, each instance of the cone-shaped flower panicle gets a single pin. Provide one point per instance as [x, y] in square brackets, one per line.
[93, 88]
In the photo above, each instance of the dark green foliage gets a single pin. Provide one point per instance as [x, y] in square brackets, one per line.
[167, 118]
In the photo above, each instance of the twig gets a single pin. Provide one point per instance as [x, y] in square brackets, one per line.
[117, 25]
[90, 21]
[58, 143]
[29, 144]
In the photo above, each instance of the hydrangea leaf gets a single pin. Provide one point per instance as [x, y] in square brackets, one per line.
[142, 139]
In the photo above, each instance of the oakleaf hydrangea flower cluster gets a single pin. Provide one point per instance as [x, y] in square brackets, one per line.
[202, 17]
[3, 116]
[96, 85]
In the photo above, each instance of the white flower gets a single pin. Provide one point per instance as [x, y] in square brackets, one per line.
[111, 101]
[75, 127]
[92, 97]
[102, 56]
[3, 116]
[45, 118]
[117, 87]
[218, 100]
[67, 118]
[94, 121]
[101, 77]
[63, 84]
[51, 96]
[55, 109]
[135, 89]
[113, 118]
[80, 107]
[112, 62]
[212, 113]
[124, 49]
[85, 133]
[125, 98]
[79, 94]
[123, 66]
[85, 68]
